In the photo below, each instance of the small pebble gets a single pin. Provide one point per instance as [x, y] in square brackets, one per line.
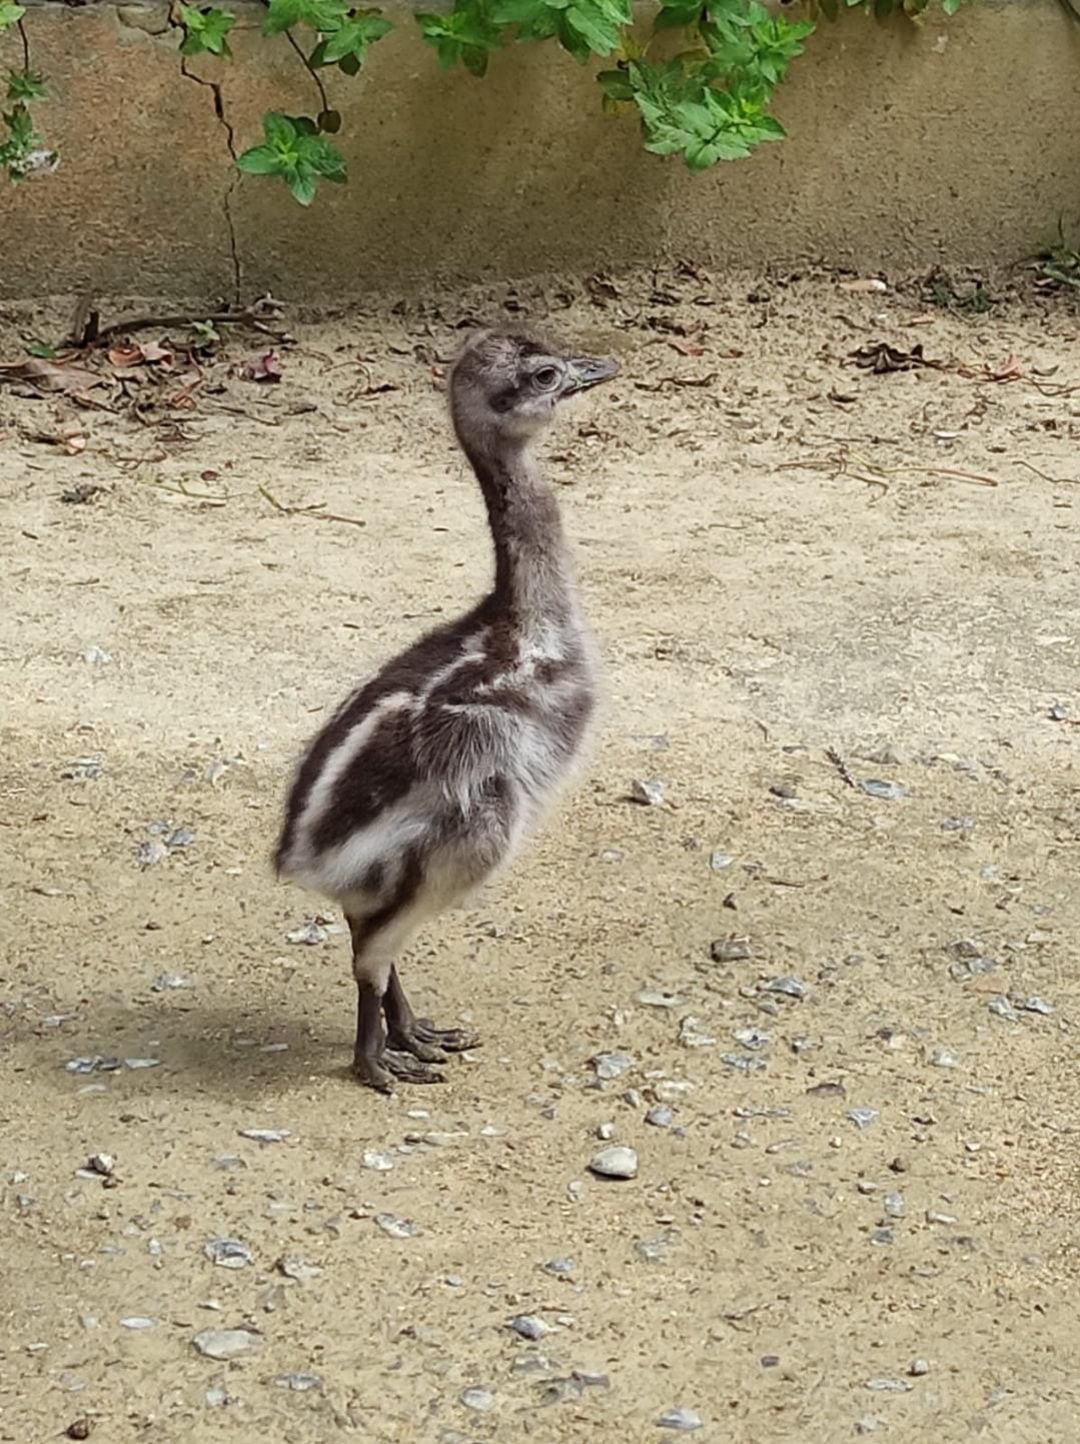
[137, 1063]
[616, 1162]
[101, 1163]
[396, 1227]
[957, 824]
[216, 1398]
[886, 791]
[966, 967]
[605, 1131]
[1000, 1007]
[661, 1116]
[296, 1268]
[868, 1424]
[151, 852]
[560, 1268]
[380, 1162]
[228, 1253]
[684, 1419]
[1035, 1005]
[227, 1343]
[650, 793]
[79, 1428]
[168, 982]
[612, 1065]
[656, 1249]
[933, 1216]
[787, 985]
[299, 1382]
[866, 1186]
[655, 998]
[751, 1037]
[894, 1205]
[786, 791]
[944, 1058]
[691, 1034]
[265, 1135]
[730, 950]
[309, 934]
[137, 1322]
[862, 1117]
[889, 1386]
[744, 1062]
[718, 861]
[479, 1399]
[529, 1326]
[918, 1367]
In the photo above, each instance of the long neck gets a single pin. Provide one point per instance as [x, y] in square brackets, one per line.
[533, 579]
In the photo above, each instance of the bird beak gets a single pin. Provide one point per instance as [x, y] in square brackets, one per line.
[586, 371]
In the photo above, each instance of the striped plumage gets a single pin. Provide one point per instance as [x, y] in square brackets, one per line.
[430, 774]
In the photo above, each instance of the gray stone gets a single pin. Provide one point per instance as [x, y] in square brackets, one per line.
[616, 1162]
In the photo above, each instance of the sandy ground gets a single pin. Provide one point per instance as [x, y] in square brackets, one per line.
[861, 1216]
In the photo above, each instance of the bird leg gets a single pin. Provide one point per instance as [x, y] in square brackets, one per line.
[408, 1046]
[376, 1064]
[419, 1036]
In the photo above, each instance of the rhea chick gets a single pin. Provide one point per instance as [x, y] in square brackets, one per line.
[429, 775]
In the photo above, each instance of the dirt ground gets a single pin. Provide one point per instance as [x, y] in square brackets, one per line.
[861, 1215]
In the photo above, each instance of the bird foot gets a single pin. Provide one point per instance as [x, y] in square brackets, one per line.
[453, 1040]
[380, 1073]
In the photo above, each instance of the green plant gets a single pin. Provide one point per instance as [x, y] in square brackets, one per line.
[1060, 262]
[700, 82]
[22, 151]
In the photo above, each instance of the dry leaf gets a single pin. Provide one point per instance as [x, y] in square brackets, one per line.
[131, 353]
[266, 367]
[48, 375]
[880, 357]
[152, 352]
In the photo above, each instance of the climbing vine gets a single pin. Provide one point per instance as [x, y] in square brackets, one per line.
[700, 82]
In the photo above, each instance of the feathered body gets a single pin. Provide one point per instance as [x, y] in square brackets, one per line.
[429, 776]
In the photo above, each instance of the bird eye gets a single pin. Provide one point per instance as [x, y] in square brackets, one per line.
[546, 377]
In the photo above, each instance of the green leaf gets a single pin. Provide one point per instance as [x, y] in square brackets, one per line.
[683, 114]
[616, 84]
[353, 37]
[674, 14]
[206, 31]
[295, 151]
[325, 16]
[465, 36]
[25, 86]
[259, 160]
[10, 13]
[42, 350]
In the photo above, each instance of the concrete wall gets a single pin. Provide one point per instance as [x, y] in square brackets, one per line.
[957, 142]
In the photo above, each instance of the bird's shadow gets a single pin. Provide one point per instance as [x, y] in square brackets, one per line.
[235, 1050]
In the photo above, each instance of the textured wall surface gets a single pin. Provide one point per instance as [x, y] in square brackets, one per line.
[956, 142]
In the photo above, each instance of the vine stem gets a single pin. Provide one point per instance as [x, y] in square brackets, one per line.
[25, 45]
[306, 63]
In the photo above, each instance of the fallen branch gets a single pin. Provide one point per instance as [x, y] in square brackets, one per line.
[86, 330]
[314, 511]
